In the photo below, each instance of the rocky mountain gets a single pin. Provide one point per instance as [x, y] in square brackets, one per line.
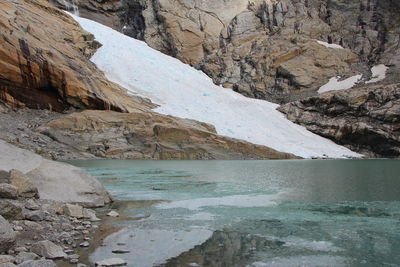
[44, 64]
[265, 49]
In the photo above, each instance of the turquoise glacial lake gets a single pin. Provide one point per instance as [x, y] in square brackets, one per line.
[254, 213]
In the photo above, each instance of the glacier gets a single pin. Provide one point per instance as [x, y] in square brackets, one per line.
[183, 91]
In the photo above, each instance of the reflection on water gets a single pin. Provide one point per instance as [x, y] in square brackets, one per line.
[256, 213]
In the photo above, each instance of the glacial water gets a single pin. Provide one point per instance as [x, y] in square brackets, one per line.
[254, 213]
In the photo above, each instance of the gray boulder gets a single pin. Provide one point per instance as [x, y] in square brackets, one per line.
[48, 250]
[7, 264]
[8, 191]
[54, 180]
[6, 259]
[7, 235]
[25, 256]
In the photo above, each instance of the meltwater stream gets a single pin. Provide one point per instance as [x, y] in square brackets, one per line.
[255, 213]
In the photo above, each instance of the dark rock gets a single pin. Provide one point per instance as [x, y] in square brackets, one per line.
[10, 209]
[366, 119]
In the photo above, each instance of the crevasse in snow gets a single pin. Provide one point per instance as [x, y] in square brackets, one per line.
[185, 92]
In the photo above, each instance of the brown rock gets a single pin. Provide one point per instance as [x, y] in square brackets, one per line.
[44, 62]
[23, 183]
[150, 136]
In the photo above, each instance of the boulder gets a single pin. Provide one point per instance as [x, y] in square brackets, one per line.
[90, 214]
[7, 264]
[75, 211]
[25, 256]
[23, 183]
[54, 180]
[35, 215]
[11, 209]
[8, 191]
[48, 250]
[7, 235]
[38, 263]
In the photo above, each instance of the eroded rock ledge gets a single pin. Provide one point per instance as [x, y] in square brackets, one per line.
[116, 135]
[366, 119]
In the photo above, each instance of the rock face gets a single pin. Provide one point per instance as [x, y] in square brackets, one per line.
[54, 180]
[262, 48]
[365, 119]
[7, 235]
[44, 62]
[150, 136]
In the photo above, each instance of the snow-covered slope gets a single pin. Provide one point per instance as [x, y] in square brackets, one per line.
[184, 92]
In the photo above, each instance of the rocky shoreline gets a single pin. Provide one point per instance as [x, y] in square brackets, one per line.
[45, 218]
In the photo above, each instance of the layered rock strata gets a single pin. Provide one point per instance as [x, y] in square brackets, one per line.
[150, 136]
[44, 62]
[366, 119]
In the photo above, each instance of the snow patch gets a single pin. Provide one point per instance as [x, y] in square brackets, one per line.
[335, 46]
[378, 73]
[334, 84]
[185, 92]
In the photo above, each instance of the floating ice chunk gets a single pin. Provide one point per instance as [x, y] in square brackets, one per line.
[335, 46]
[378, 73]
[334, 84]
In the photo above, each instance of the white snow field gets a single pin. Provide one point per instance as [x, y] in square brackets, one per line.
[328, 45]
[185, 92]
[378, 73]
[334, 84]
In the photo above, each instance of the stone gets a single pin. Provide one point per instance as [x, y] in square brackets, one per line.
[10, 209]
[32, 205]
[36, 215]
[111, 262]
[75, 211]
[38, 263]
[23, 183]
[48, 250]
[90, 214]
[84, 244]
[54, 180]
[120, 251]
[7, 264]
[8, 191]
[113, 213]
[7, 235]
[25, 256]
[20, 249]
[6, 259]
